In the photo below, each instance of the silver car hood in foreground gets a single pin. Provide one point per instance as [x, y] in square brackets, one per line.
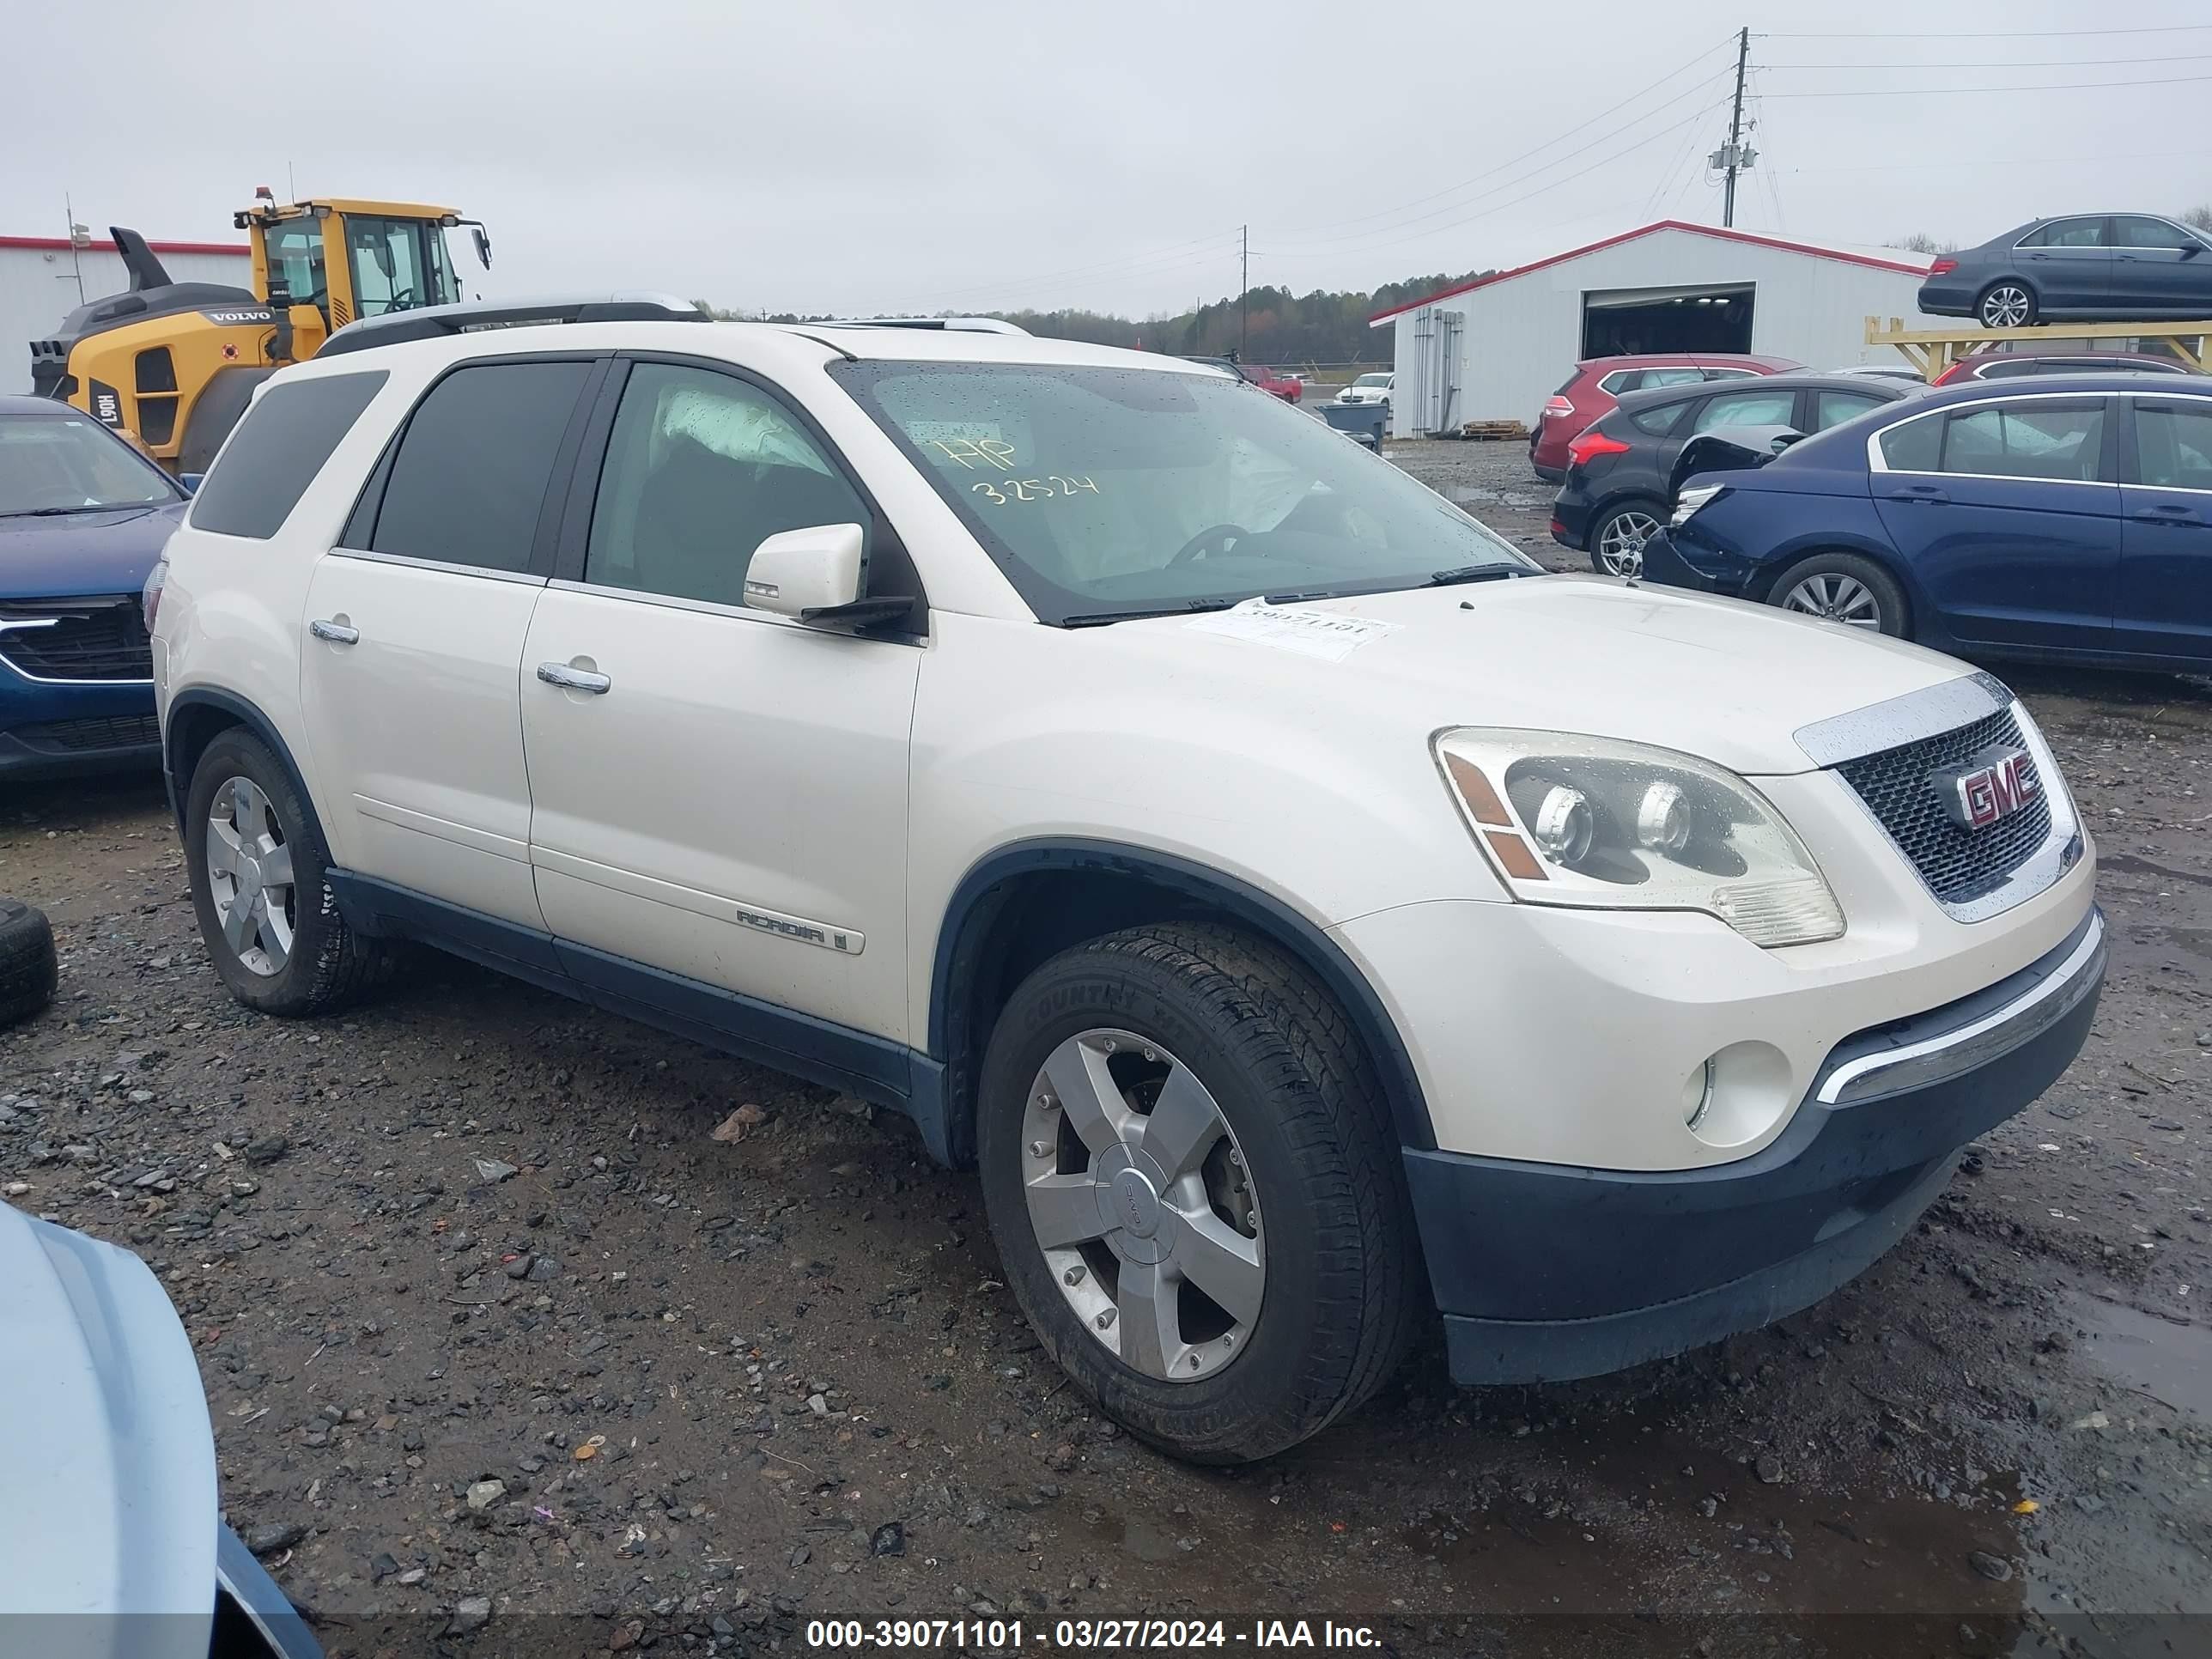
[110, 1517]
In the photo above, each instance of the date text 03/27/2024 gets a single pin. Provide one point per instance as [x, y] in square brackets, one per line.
[1121, 1635]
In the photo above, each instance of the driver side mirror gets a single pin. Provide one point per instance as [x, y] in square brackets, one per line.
[804, 572]
[484, 245]
[817, 575]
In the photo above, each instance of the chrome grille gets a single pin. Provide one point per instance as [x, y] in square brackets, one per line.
[101, 638]
[1958, 864]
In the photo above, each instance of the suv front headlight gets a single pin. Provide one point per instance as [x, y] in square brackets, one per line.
[1597, 825]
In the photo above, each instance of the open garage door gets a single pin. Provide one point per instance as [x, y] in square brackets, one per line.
[1618, 321]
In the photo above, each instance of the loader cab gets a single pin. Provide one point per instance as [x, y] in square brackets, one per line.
[351, 259]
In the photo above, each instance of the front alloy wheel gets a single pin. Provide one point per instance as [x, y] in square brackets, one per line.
[2007, 305]
[1196, 1190]
[1620, 549]
[1139, 1197]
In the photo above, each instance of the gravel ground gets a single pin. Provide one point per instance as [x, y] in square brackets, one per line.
[507, 1349]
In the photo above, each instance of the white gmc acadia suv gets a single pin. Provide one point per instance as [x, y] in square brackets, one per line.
[1302, 909]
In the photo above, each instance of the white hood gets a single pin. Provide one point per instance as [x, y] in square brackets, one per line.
[1726, 681]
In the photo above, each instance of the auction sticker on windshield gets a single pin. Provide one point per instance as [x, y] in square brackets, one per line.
[1323, 633]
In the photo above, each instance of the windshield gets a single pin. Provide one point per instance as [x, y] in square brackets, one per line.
[70, 463]
[296, 260]
[1372, 379]
[398, 265]
[1105, 492]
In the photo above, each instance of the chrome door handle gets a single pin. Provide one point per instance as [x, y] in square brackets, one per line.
[336, 632]
[574, 679]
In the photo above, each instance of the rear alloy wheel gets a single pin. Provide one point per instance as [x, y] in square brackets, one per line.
[1617, 549]
[258, 865]
[1195, 1188]
[1845, 588]
[2007, 305]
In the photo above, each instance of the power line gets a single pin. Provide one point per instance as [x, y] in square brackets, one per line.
[1955, 165]
[1541, 167]
[1499, 207]
[1503, 167]
[1978, 34]
[2039, 86]
[2048, 63]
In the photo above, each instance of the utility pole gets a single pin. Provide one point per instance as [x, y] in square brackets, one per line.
[79, 238]
[1735, 128]
[1243, 285]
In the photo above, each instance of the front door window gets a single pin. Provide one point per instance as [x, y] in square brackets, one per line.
[398, 265]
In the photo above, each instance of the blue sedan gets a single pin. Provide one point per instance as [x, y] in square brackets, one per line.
[2068, 520]
[83, 516]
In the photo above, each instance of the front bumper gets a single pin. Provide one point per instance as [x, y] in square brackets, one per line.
[58, 728]
[1548, 1272]
[1674, 560]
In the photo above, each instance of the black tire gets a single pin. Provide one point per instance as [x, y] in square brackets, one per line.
[329, 965]
[1893, 615]
[1301, 1098]
[1990, 304]
[1639, 507]
[28, 973]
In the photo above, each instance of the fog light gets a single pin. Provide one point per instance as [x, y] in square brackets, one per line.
[1697, 1095]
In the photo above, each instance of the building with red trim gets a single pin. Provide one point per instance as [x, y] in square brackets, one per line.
[1494, 348]
[43, 278]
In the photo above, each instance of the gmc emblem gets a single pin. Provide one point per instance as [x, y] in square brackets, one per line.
[1992, 784]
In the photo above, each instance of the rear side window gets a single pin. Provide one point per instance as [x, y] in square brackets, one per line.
[2067, 232]
[1659, 422]
[1731, 373]
[1746, 409]
[1915, 446]
[272, 458]
[1834, 407]
[468, 482]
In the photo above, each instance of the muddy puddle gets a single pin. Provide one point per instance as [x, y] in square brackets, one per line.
[1621, 1538]
[2145, 1355]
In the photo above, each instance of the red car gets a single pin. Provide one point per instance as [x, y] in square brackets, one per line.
[1288, 387]
[1589, 393]
[2007, 365]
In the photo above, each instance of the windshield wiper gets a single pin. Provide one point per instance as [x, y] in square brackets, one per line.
[63, 512]
[1474, 573]
[1194, 608]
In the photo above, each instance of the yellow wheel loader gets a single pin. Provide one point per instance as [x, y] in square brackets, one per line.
[173, 364]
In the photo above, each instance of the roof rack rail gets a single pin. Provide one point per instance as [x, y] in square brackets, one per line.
[956, 324]
[438, 322]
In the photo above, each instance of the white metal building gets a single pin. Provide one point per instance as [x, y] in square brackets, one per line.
[43, 279]
[1496, 348]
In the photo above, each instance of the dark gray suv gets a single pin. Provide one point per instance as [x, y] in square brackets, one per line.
[1618, 487]
[2094, 267]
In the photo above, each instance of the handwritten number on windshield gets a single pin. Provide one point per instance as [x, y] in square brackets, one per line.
[1031, 489]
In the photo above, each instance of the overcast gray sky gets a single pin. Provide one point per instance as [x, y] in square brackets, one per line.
[861, 156]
